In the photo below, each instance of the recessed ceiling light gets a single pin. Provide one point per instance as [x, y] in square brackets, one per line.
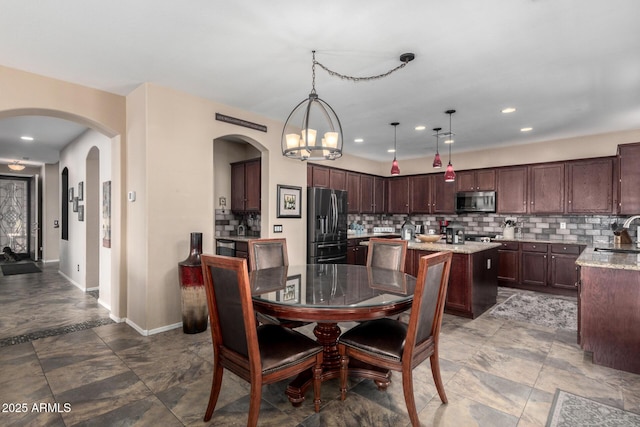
[358, 140]
[26, 138]
[526, 129]
[421, 127]
[508, 110]
[391, 150]
[448, 141]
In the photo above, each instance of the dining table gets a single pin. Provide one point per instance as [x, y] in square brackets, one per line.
[329, 294]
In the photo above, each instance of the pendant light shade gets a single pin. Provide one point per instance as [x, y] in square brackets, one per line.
[395, 168]
[437, 163]
[312, 130]
[449, 174]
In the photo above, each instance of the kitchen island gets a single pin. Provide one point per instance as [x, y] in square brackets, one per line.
[609, 307]
[473, 281]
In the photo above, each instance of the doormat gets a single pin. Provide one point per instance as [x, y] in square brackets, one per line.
[21, 268]
[540, 309]
[569, 410]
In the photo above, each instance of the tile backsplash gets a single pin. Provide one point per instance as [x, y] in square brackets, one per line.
[585, 229]
[227, 223]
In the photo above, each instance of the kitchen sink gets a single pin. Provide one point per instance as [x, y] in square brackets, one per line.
[618, 250]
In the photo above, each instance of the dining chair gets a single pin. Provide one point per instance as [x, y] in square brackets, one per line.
[387, 253]
[397, 346]
[262, 354]
[268, 253]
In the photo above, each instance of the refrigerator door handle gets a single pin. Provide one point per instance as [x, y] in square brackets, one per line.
[330, 245]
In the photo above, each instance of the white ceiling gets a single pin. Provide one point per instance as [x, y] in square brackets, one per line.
[570, 67]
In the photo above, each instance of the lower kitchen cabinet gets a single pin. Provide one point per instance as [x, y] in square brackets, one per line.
[543, 267]
[473, 281]
[356, 253]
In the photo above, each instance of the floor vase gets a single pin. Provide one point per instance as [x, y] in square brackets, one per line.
[194, 297]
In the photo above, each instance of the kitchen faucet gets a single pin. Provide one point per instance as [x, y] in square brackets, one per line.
[628, 222]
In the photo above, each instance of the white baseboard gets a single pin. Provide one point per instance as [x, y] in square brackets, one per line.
[73, 282]
[147, 332]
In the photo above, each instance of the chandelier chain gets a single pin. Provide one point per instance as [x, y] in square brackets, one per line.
[356, 79]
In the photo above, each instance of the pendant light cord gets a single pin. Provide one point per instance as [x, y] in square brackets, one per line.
[405, 58]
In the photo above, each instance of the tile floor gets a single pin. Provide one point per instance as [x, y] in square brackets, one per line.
[496, 372]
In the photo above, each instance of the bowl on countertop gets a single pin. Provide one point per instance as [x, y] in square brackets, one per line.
[428, 238]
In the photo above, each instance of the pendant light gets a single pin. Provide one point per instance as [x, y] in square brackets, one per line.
[450, 175]
[395, 169]
[437, 163]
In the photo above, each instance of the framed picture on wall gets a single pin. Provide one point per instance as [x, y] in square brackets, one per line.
[81, 190]
[75, 204]
[81, 213]
[71, 194]
[289, 201]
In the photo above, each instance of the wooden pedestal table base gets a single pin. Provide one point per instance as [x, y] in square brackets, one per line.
[327, 335]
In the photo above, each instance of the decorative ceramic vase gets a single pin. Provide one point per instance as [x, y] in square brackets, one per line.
[194, 297]
[508, 233]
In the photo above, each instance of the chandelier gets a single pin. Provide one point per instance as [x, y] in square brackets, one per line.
[313, 130]
[16, 166]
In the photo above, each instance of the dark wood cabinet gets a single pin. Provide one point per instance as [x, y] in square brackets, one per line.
[533, 264]
[242, 250]
[245, 186]
[367, 196]
[356, 253]
[353, 192]
[337, 179]
[319, 176]
[628, 179]
[590, 186]
[563, 271]
[546, 191]
[473, 281]
[420, 194]
[476, 180]
[544, 267]
[398, 195]
[508, 263]
[511, 190]
[443, 195]
[379, 193]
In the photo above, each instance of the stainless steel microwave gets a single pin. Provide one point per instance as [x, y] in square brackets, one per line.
[475, 201]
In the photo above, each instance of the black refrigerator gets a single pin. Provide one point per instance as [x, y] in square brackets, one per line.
[326, 226]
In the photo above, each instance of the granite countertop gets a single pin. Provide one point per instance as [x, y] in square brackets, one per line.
[562, 242]
[238, 238]
[466, 248]
[620, 261]
[369, 235]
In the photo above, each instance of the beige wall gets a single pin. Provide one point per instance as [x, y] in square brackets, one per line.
[50, 212]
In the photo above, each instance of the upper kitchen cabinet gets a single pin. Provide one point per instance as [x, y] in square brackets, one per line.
[590, 186]
[353, 192]
[398, 195]
[511, 190]
[546, 188]
[420, 194]
[629, 179]
[372, 191]
[245, 186]
[476, 180]
[337, 179]
[317, 176]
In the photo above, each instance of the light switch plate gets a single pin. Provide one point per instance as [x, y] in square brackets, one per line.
[277, 228]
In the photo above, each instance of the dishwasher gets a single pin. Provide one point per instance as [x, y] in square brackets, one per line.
[225, 247]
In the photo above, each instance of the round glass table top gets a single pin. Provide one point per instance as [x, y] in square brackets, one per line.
[331, 286]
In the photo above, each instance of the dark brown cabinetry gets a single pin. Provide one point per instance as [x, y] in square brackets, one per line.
[533, 264]
[473, 281]
[337, 179]
[546, 189]
[353, 192]
[356, 253]
[317, 176]
[590, 186]
[563, 271]
[398, 195]
[443, 195]
[544, 267]
[476, 180]
[508, 263]
[420, 194]
[379, 194]
[245, 186]
[242, 250]
[511, 190]
[367, 196]
[628, 179]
